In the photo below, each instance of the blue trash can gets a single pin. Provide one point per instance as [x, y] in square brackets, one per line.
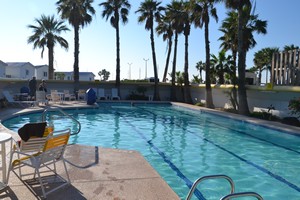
[90, 96]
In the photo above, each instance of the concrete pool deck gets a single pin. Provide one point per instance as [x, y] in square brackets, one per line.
[95, 173]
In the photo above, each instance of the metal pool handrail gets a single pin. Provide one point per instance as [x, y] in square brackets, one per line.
[191, 192]
[64, 113]
[241, 194]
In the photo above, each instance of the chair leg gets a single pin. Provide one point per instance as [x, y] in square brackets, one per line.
[40, 180]
[63, 160]
[10, 167]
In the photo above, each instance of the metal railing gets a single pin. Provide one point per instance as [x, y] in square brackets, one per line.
[232, 195]
[242, 194]
[221, 176]
[65, 114]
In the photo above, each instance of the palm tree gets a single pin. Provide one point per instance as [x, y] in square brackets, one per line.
[290, 47]
[79, 14]
[247, 24]
[263, 60]
[116, 10]
[149, 12]
[186, 21]
[46, 33]
[173, 13]
[200, 66]
[165, 28]
[222, 65]
[203, 9]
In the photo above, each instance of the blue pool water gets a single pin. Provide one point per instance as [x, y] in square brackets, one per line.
[183, 145]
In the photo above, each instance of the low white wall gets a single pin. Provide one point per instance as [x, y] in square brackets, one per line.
[258, 97]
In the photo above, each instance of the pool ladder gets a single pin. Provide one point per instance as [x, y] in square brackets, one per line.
[232, 195]
[65, 114]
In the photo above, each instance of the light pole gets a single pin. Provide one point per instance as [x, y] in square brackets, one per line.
[129, 73]
[146, 60]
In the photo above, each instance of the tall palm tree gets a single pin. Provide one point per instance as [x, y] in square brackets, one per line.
[186, 21]
[116, 10]
[79, 14]
[173, 13]
[165, 28]
[203, 9]
[46, 33]
[247, 24]
[150, 11]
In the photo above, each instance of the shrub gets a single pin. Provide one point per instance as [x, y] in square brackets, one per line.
[294, 106]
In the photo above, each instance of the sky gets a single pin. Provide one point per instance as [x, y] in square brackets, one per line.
[98, 42]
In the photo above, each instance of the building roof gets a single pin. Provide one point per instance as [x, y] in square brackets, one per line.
[39, 66]
[18, 64]
[2, 63]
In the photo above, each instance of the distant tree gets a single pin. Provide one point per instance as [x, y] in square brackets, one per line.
[200, 66]
[59, 75]
[196, 79]
[46, 33]
[116, 10]
[263, 60]
[79, 14]
[104, 75]
[290, 47]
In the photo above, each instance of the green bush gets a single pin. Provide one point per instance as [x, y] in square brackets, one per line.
[264, 115]
[294, 106]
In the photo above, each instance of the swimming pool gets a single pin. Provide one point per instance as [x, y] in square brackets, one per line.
[184, 144]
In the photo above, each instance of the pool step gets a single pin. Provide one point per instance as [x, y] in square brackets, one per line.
[227, 197]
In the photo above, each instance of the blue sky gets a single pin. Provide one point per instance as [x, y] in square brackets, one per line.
[97, 40]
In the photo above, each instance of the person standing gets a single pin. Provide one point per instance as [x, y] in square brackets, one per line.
[32, 87]
[42, 86]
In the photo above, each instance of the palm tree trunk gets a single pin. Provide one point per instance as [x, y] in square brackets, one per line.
[187, 89]
[118, 58]
[234, 82]
[168, 60]
[50, 62]
[156, 93]
[76, 59]
[243, 103]
[173, 87]
[209, 99]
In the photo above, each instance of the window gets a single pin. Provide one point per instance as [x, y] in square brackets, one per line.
[45, 74]
[27, 72]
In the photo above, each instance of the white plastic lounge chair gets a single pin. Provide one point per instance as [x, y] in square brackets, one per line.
[11, 100]
[41, 97]
[55, 97]
[69, 96]
[81, 94]
[52, 152]
[101, 94]
[114, 94]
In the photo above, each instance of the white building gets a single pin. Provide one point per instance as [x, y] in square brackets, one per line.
[42, 72]
[2, 69]
[19, 70]
[83, 76]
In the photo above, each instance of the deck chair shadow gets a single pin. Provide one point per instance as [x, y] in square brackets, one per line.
[114, 94]
[46, 159]
[11, 100]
